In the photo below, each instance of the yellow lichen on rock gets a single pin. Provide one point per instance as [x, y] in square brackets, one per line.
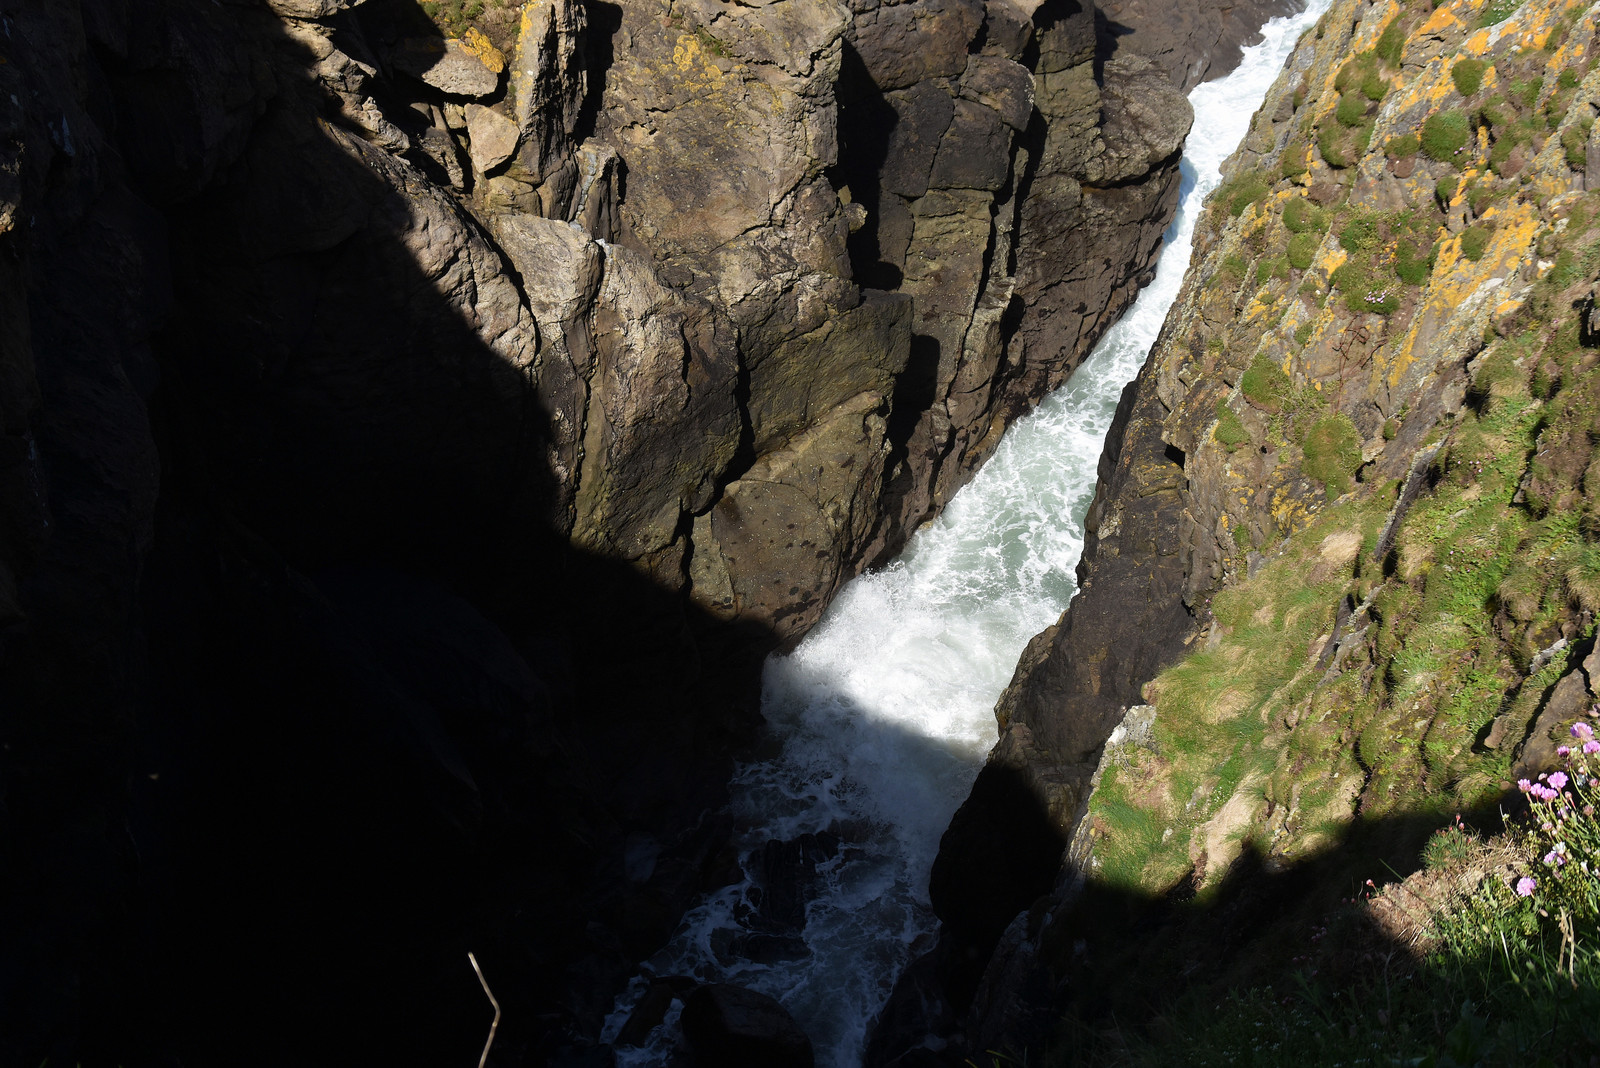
[478, 46]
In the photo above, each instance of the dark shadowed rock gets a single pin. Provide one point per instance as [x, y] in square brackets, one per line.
[730, 1027]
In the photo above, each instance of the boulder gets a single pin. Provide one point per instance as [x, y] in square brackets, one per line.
[494, 137]
[728, 1026]
[469, 67]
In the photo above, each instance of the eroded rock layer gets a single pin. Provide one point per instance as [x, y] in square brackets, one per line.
[1335, 579]
[412, 442]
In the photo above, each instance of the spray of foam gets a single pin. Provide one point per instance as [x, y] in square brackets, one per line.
[884, 713]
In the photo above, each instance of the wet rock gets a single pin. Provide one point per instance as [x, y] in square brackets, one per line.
[1193, 44]
[730, 1027]
[648, 1013]
[917, 1015]
[788, 877]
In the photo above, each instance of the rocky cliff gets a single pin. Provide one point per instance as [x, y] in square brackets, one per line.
[419, 419]
[1337, 578]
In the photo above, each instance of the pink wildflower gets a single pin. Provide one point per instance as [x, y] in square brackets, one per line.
[1562, 750]
[1558, 780]
[1591, 746]
[1524, 785]
[1526, 886]
[1582, 730]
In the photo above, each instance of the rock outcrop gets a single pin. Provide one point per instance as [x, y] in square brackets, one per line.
[1319, 510]
[409, 444]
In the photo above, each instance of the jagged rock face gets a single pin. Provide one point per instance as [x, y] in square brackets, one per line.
[599, 356]
[1323, 354]
[1191, 44]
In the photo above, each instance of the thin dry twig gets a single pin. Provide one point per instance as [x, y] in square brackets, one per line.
[496, 1024]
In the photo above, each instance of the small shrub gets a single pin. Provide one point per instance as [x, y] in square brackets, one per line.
[1374, 87]
[1347, 76]
[1404, 147]
[1303, 250]
[1445, 136]
[1363, 138]
[1500, 154]
[1244, 191]
[1230, 430]
[1526, 91]
[1301, 216]
[1445, 191]
[1392, 44]
[1391, 429]
[1468, 75]
[1412, 265]
[1450, 844]
[1352, 110]
[1363, 293]
[1271, 267]
[1329, 143]
[1302, 334]
[1332, 453]
[1264, 384]
[1497, 11]
[1575, 143]
[1474, 242]
[1361, 233]
[1293, 164]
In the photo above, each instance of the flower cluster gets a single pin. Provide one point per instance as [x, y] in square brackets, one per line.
[1561, 810]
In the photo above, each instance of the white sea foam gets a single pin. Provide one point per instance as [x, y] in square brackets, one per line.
[884, 713]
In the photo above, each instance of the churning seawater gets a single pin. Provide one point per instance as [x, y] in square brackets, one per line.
[882, 716]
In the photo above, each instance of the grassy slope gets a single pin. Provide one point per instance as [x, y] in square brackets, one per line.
[1279, 774]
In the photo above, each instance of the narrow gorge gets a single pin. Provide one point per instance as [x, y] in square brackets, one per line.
[420, 423]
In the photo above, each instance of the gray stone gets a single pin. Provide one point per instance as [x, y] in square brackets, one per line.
[730, 1027]
[493, 138]
[1001, 84]
[450, 66]
[975, 152]
[923, 114]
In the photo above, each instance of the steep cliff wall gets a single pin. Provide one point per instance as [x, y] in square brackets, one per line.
[1338, 570]
[411, 443]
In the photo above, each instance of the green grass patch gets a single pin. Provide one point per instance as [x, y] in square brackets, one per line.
[1444, 191]
[1525, 91]
[1445, 135]
[1391, 44]
[1243, 191]
[1405, 146]
[1474, 242]
[1264, 384]
[1575, 143]
[1468, 75]
[1230, 430]
[1293, 163]
[1301, 216]
[1413, 264]
[1332, 453]
[1362, 232]
[1363, 292]
[1333, 144]
[1497, 11]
